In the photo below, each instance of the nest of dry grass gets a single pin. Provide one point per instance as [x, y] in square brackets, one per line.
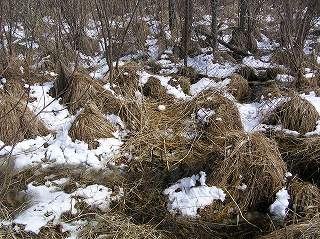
[127, 80]
[239, 87]
[78, 89]
[226, 116]
[305, 199]
[303, 230]
[302, 155]
[159, 133]
[296, 114]
[17, 122]
[91, 125]
[248, 73]
[154, 90]
[250, 159]
[118, 226]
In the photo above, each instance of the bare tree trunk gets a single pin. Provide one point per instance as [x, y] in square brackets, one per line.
[214, 24]
[187, 29]
[172, 15]
[243, 9]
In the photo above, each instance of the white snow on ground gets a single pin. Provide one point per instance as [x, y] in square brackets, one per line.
[203, 64]
[207, 84]
[186, 198]
[285, 78]
[255, 63]
[280, 206]
[59, 149]
[266, 43]
[48, 203]
[50, 111]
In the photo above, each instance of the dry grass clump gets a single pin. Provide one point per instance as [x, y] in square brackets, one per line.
[188, 72]
[248, 73]
[302, 155]
[78, 89]
[17, 122]
[307, 84]
[226, 116]
[14, 88]
[118, 226]
[250, 159]
[155, 90]
[91, 125]
[305, 199]
[303, 230]
[160, 133]
[239, 87]
[126, 79]
[296, 114]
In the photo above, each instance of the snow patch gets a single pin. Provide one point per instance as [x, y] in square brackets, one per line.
[186, 197]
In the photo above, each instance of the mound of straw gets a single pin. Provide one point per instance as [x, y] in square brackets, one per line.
[305, 199]
[127, 79]
[154, 90]
[239, 87]
[91, 125]
[17, 122]
[302, 155]
[78, 89]
[226, 116]
[296, 114]
[303, 230]
[248, 73]
[158, 133]
[118, 226]
[250, 159]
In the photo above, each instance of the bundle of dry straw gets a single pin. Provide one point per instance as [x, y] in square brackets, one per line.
[17, 122]
[91, 125]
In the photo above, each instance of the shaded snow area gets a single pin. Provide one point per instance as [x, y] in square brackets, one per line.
[190, 194]
[280, 206]
[48, 203]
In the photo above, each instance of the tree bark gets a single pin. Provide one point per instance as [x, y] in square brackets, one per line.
[214, 24]
[187, 29]
[243, 9]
